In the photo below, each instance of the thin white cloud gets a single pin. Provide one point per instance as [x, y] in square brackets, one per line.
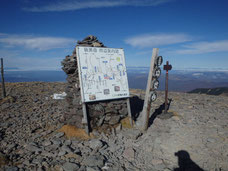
[31, 63]
[154, 40]
[32, 42]
[204, 47]
[70, 5]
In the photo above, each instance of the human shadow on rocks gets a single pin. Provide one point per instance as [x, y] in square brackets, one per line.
[158, 111]
[136, 106]
[185, 162]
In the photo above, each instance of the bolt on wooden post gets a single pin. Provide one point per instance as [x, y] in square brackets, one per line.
[167, 67]
[3, 82]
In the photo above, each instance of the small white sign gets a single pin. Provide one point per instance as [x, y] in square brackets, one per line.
[102, 73]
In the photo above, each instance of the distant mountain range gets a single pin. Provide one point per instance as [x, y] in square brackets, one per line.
[179, 80]
[211, 91]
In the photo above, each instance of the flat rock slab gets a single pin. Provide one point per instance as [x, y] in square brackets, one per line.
[93, 161]
[70, 166]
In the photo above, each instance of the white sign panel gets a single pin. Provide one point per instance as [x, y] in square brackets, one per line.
[102, 73]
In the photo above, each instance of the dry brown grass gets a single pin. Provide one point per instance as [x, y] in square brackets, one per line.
[3, 160]
[126, 123]
[71, 131]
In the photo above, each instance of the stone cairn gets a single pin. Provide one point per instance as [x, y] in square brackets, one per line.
[100, 114]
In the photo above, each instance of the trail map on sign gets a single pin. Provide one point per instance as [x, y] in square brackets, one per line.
[102, 73]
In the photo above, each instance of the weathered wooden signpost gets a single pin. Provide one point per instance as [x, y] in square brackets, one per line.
[3, 81]
[152, 85]
[166, 67]
[102, 76]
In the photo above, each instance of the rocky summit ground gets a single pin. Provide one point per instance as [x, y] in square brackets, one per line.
[194, 136]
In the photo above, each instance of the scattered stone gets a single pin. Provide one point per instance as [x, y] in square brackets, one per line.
[62, 153]
[46, 143]
[33, 148]
[118, 128]
[129, 153]
[95, 143]
[92, 169]
[66, 149]
[70, 166]
[77, 157]
[59, 135]
[12, 169]
[28, 129]
[94, 161]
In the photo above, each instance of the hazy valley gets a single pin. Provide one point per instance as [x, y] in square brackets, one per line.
[179, 80]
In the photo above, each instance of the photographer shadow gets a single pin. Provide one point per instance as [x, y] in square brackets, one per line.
[185, 162]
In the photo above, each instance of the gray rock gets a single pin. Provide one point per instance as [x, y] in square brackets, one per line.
[95, 143]
[57, 142]
[13, 168]
[211, 140]
[82, 168]
[129, 153]
[94, 160]
[59, 134]
[124, 111]
[68, 142]
[52, 147]
[46, 143]
[66, 148]
[114, 120]
[33, 148]
[86, 150]
[37, 161]
[92, 169]
[70, 166]
[62, 153]
[47, 154]
[118, 128]
[133, 134]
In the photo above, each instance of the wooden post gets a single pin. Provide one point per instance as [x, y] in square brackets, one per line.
[147, 101]
[3, 81]
[129, 111]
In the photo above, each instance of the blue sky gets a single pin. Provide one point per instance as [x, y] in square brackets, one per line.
[38, 34]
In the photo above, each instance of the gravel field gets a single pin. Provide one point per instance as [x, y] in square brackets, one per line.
[32, 136]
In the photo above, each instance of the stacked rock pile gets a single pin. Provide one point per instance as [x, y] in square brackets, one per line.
[100, 113]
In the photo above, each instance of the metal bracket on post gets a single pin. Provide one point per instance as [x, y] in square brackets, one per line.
[147, 102]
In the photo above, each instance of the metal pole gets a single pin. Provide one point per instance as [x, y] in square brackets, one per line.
[3, 82]
[166, 89]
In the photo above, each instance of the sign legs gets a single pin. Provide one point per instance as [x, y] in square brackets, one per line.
[85, 118]
[129, 111]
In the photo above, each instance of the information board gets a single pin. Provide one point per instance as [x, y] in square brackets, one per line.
[102, 73]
